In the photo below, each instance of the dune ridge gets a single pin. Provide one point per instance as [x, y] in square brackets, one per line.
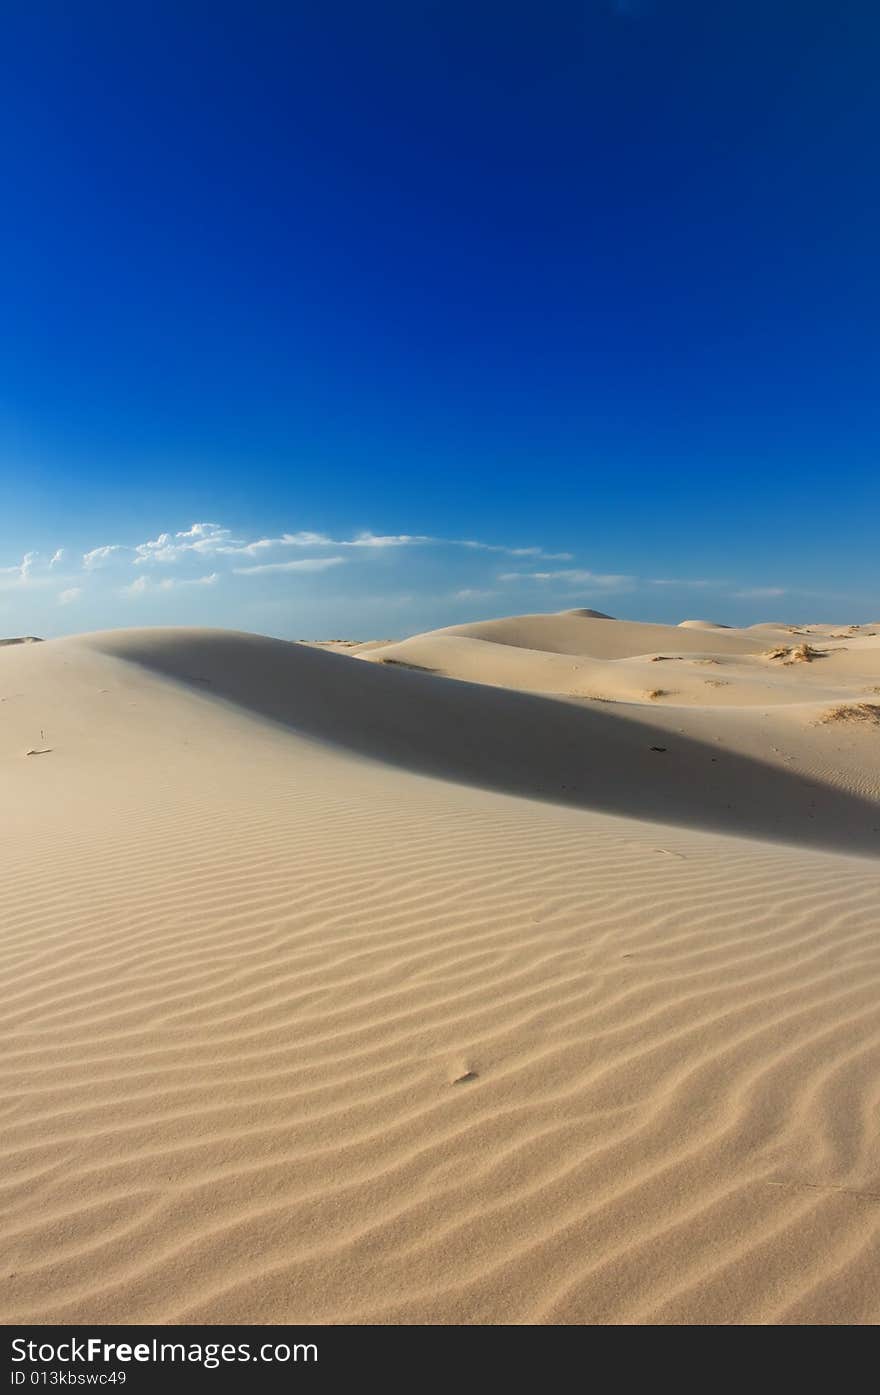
[324, 1000]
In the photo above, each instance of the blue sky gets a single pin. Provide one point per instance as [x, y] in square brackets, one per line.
[302, 301]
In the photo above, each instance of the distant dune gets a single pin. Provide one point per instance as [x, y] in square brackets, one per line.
[589, 614]
[521, 971]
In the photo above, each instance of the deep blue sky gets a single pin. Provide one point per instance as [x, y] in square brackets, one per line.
[595, 278]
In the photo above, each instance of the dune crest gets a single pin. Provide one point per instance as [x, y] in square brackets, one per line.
[588, 614]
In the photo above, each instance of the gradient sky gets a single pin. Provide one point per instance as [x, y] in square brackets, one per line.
[341, 319]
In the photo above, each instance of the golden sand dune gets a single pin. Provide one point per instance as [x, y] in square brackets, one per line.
[335, 990]
[587, 632]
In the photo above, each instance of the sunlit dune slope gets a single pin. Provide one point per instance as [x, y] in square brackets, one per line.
[336, 991]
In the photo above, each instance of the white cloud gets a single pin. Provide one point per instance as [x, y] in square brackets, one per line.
[20, 574]
[367, 539]
[215, 540]
[389, 540]
[201, 531]
[516, 551]
[573, 576]
[305, 564]
[299, 540]
[208, 580]
[172, 559]
[381, 541]
[202, 538]
[144, 584]
[161, 549]
[99, 555]
[253, 549]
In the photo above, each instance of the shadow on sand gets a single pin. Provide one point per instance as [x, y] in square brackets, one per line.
[512, 742]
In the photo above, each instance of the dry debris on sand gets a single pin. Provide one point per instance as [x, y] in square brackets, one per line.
[853, 712]
[800, 654]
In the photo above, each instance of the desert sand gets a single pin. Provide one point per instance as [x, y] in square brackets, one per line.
[523, 971]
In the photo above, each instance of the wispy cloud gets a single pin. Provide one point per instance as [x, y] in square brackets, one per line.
[263, 580]
[516, 551]
[387, 540]
[602, 581]
[99, 555]
[304, 564]
[201, 538]
[217, 541]
[381, 541]
[142, 585]
[21, 573]
[173, 560]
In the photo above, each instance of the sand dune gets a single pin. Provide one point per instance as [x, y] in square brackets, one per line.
[338, 990]
[579, 632]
